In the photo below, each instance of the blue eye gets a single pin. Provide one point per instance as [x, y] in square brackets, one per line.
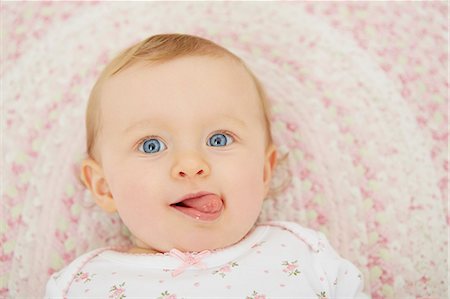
[220, 140]
[151, 146]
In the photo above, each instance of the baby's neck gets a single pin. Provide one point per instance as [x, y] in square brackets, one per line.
[141, 250]
[140, 247]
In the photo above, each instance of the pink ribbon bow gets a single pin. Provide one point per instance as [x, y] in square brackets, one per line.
[189, 259]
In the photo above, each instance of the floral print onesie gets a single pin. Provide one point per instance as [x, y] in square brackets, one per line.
[275, 260]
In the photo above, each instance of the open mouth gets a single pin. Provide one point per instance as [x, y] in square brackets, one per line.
[200, 206]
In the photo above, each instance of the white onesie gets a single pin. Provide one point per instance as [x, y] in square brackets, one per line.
[275, 260]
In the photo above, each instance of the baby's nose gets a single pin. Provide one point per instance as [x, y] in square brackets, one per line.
[189, 173]
[189, 166]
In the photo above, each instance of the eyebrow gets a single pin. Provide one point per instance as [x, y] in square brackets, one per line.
[147, 122]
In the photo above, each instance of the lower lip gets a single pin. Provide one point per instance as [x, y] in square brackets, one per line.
[198, 215]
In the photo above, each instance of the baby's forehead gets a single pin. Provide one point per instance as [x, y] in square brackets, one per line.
[224, 73]
[185, 64]
[204, 82]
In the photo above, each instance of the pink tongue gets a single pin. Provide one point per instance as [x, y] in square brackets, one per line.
[210, 203]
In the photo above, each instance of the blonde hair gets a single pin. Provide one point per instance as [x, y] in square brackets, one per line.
[158, 49]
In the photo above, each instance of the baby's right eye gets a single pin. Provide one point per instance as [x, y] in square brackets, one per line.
[151, 146]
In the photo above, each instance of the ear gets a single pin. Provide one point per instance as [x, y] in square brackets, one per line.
[94, 179]
[269, 166]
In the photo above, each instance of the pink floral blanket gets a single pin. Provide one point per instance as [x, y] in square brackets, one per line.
[359, 93]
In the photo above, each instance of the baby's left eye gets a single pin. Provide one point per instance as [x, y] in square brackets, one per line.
[220, 139]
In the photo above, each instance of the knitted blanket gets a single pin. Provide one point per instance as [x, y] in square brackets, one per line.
[359, 101]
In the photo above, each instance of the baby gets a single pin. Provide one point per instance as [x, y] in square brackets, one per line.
[179, 145]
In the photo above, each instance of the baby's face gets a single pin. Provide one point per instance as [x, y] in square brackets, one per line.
[193, 126]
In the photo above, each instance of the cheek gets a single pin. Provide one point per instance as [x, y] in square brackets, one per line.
[243, 180]
[135, 189]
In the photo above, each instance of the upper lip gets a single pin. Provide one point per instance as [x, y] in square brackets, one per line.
[192, 195]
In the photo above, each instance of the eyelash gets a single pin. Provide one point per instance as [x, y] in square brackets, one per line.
[224, 132]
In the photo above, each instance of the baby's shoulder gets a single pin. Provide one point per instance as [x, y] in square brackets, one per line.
[61, 280]
[315, 240]
[315, 255]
